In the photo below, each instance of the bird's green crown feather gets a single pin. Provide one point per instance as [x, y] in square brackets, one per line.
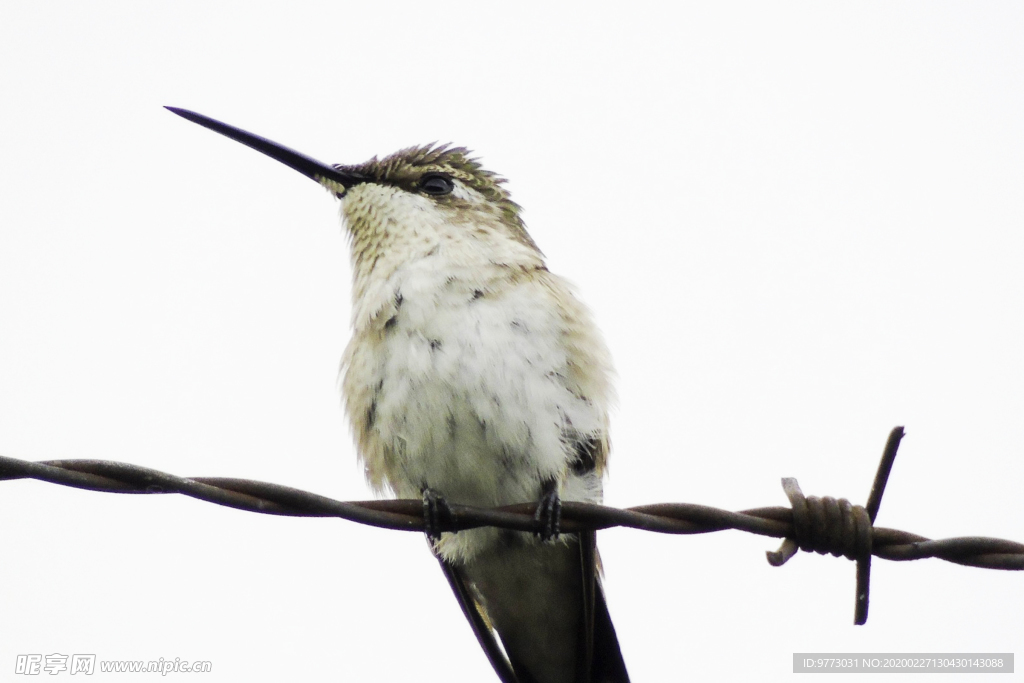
[405, 168]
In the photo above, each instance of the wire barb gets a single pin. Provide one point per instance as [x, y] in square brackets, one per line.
[826, 525]
[822, 525]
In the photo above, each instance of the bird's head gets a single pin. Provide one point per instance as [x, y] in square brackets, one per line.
[404, 197]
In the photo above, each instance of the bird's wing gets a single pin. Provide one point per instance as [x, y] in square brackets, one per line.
[588, 575]
[603, 663]
[483, 632]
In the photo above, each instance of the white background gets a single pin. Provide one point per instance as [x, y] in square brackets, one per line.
[798, 224]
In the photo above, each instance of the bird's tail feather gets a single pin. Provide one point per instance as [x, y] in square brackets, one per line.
[529, 593]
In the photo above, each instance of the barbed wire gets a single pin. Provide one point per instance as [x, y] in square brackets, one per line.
[823, 525]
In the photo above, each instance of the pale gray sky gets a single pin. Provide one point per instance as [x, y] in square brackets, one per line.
[798, 224]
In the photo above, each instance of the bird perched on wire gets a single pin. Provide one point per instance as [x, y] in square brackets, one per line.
[475, 376]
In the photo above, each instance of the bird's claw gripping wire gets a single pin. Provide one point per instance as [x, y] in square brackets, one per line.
[549, 512]
[436, 514]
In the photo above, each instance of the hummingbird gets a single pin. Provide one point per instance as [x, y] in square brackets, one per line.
[475, 376]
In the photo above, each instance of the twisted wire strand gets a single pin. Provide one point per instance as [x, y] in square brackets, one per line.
[823, 525]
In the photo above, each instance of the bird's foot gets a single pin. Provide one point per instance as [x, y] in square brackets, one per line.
[436, 514]
[549, 512]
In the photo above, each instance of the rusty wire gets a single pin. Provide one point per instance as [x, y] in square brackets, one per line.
[823, 525]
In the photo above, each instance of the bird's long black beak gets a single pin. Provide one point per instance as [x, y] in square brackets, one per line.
[333, 179]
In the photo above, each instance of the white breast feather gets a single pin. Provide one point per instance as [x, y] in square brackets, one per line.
[472, 377]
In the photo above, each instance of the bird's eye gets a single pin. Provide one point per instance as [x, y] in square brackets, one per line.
[437, 184]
